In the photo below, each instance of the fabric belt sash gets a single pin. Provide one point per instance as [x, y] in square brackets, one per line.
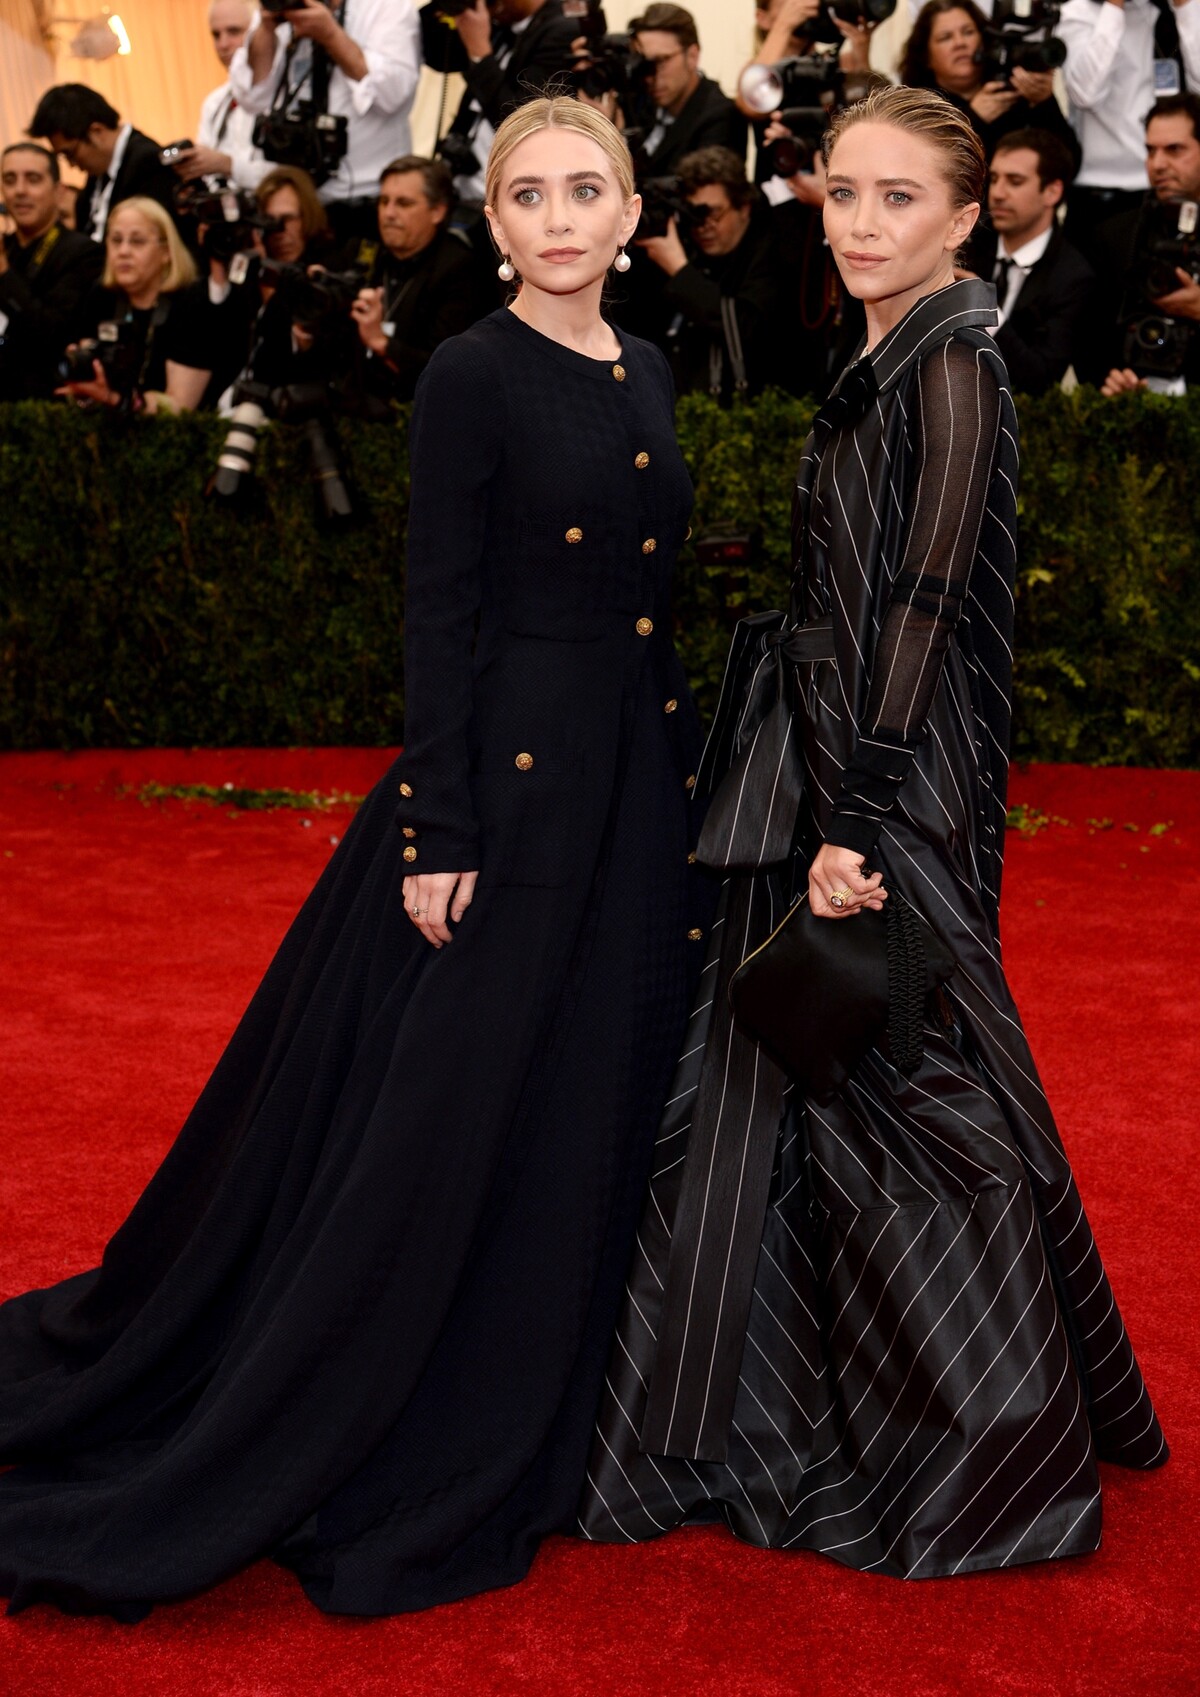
[754, 761]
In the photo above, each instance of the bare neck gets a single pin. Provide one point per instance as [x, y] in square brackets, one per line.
[574, 319]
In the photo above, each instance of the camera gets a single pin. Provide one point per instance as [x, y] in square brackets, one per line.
[1020, 36]
[805, 91]
[305, 404]
[662, 200]
[114, 346]
[1157, 345]
[174, 150]
[460, 157]
[279, 8]
[860, 13]
[229, 218]
[314, 141]
[317, 301]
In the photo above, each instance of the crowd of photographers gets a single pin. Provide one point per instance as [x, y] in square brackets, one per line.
[294, 258]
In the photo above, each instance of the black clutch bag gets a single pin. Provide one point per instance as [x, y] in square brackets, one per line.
[820, 992]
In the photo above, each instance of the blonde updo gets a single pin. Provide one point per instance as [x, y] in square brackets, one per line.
[920, 112]
[558, 112]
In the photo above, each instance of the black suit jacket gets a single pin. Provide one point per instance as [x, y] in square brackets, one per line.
[43, 306]
[142, 173]
[1046, 330]
[438, 295]
[1115, 244]
[709, 119]
[541, 53]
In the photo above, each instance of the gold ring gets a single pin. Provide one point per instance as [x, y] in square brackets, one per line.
[839, 898]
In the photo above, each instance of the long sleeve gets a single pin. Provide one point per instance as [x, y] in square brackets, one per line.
[455, 449]
[955, 424]
[498, 89]
[1092, 35]
[1187, 22]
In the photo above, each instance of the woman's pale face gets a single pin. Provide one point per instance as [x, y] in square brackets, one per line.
[953, 43]
[560, 213]
[137, 252]
[888, 217]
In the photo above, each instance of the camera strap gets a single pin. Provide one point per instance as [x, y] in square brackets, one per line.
[42, 251]
[733, 346]
[317, 72]
[162, 311]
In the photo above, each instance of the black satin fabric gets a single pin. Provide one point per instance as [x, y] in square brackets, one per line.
[932, 1360]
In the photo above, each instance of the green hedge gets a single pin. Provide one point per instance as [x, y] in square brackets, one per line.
[134, 611]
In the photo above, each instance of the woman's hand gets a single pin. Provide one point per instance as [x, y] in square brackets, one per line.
[431, 897]
[1033, 86]
[839, 870]
[993, 101]
[97, 390]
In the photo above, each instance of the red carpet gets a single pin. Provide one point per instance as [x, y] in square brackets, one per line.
[131, 937]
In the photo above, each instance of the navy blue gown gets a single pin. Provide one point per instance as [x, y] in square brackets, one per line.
[359, 1318]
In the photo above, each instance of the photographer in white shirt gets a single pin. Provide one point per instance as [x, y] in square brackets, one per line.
[224, 138]
[1115, 70]
[374, 51]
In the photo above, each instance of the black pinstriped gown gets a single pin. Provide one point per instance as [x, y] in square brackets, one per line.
[897, 1344]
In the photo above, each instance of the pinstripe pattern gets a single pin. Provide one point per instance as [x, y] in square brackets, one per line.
[933, 1360]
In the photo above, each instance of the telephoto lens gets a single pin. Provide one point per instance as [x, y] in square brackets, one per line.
[235, 464]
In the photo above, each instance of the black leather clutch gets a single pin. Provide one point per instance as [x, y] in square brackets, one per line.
[819, 993]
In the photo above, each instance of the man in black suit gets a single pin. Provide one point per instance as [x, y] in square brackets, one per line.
[46, 271]
[1043, 285]
[507, 51]
[424, 281]
[120, 161]
[686, 110]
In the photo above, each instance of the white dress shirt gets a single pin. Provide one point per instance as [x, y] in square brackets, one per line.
[102, 198]
[1109, 76]
[227, 127]
[378, 106]
[1022, 260]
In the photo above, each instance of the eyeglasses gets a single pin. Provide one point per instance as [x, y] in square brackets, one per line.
[656, 64]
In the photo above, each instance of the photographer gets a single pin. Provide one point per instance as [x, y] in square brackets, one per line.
[423, 285]
[1143, 334]
[1044, 287]
[506, 51]
[1120, 55]
[225, 136]
[338, 81]
[141, 351]
[120, 162]
[947, 52]
[725, 299]
[686, 111]
[46, 271]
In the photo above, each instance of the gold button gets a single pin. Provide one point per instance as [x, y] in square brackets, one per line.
[670, 706]
[644, 627]
[410, 853]
[574, 534]
[524, 762]
[409, 832]
[405, 789]
[642, 461]
[690, 783]
[692, 858]
[619, 373]
[695, 934]
[649, 545]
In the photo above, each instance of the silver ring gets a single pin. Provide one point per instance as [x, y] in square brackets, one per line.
[417, 912]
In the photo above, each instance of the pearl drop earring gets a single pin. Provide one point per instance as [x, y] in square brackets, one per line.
[506, 270]
[622, 262]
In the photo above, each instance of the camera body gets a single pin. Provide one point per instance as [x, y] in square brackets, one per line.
[663, 199]
[611, 66]
[114, 346]
[860, 13]
[230, 218]
[317, 302]
[171, 154]
[1168, 238]
[1021, 40]
[806, 91]
[314, 141]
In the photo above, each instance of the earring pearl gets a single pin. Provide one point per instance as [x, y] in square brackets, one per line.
[622, 262]
[506, 270]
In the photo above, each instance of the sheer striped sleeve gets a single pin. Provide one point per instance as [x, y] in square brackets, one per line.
[955, 425]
